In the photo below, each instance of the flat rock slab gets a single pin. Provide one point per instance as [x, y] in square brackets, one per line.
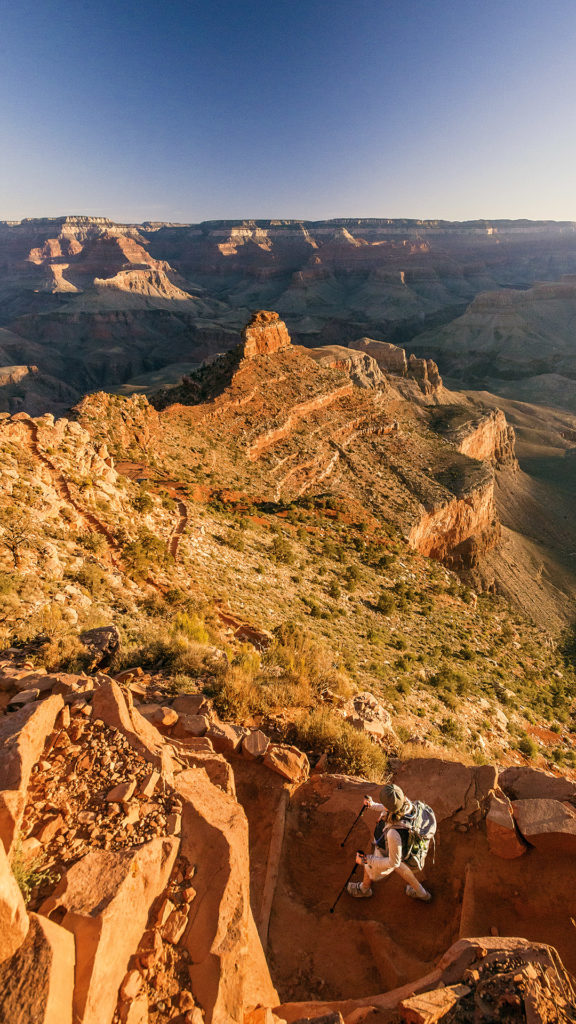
[36, 984]
[225, 738]
[13, 916]
[22, 739]
[191, 725]
[289, 762]
[501, 831]
[548, 825]
[452, 790]
[106, 898]
[431, 1007]
[523, 783]
[192, 704]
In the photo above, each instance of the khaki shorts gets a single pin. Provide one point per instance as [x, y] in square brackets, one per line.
[374, 870]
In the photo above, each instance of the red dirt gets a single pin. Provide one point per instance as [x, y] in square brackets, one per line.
[373, 945]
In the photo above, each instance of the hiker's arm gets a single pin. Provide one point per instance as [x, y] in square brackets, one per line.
[369, 802]
[394, 858]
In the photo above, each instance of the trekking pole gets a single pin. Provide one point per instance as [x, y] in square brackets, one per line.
[353, 825]
[349, 879]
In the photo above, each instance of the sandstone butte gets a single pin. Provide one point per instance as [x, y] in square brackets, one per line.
[195, 897]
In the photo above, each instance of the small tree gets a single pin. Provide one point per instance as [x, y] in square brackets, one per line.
[17, 532]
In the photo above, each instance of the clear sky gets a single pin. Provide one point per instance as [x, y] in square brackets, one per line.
[191, 110]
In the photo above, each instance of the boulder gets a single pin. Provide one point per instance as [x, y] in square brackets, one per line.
[217, 768]
[431, 1007]
[121, 792]
[289, 762]
[367, 715]
[22, 698]
[148, 785]
[115, 708]
[228, 969]
[523, 783]
[159, 715]
[225, 738]
[22, 739]
[105, 899]
[454, 791]
[548, 825]
[192, 704]
[255, 745]
[13, 916]
[136, 1011]
[101, 644]
[191, 725]
[503, 838]
[37, 982]
[68, 682]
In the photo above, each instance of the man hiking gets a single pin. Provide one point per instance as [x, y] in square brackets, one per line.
[401, 839]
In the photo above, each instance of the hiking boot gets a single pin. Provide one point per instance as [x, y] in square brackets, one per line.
[355, 889]
[410, 891]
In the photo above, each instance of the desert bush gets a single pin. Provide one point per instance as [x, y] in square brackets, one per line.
[349, 751]
[142, 501]
[386, 604]
[31, 874]
[528, 746]
[7, 583]
[180, 682]
[281, 550]
[93, 577]
[92, 541]
[235, 540]
[144, 551]
[64, 653]
[191, 626]
[301, 659]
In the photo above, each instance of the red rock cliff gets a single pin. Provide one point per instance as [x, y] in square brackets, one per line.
[266, 333]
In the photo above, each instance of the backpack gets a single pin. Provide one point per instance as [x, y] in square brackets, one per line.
[416, 830]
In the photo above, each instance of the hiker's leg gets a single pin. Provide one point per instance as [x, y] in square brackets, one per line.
[405, 872]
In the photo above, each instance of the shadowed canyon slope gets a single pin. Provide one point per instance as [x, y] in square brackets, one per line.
[92, 303]
[519, 344]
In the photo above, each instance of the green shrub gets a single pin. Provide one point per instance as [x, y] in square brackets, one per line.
[142, 502]
[349, 751]
[31, 874]
[281, 550]
[93, 577]
[192, 626]
[528, 747]
[94, 542]
[386, 604]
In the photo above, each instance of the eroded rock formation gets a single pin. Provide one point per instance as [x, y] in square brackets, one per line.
[266, 333]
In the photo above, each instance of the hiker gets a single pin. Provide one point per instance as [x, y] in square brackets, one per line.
[401, 839]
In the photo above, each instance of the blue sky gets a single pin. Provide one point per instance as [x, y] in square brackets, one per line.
[184, 110]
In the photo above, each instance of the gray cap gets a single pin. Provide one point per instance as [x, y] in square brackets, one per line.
[393, 798]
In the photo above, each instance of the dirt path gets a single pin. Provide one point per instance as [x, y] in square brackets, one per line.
[139, 471]
[180, 526]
